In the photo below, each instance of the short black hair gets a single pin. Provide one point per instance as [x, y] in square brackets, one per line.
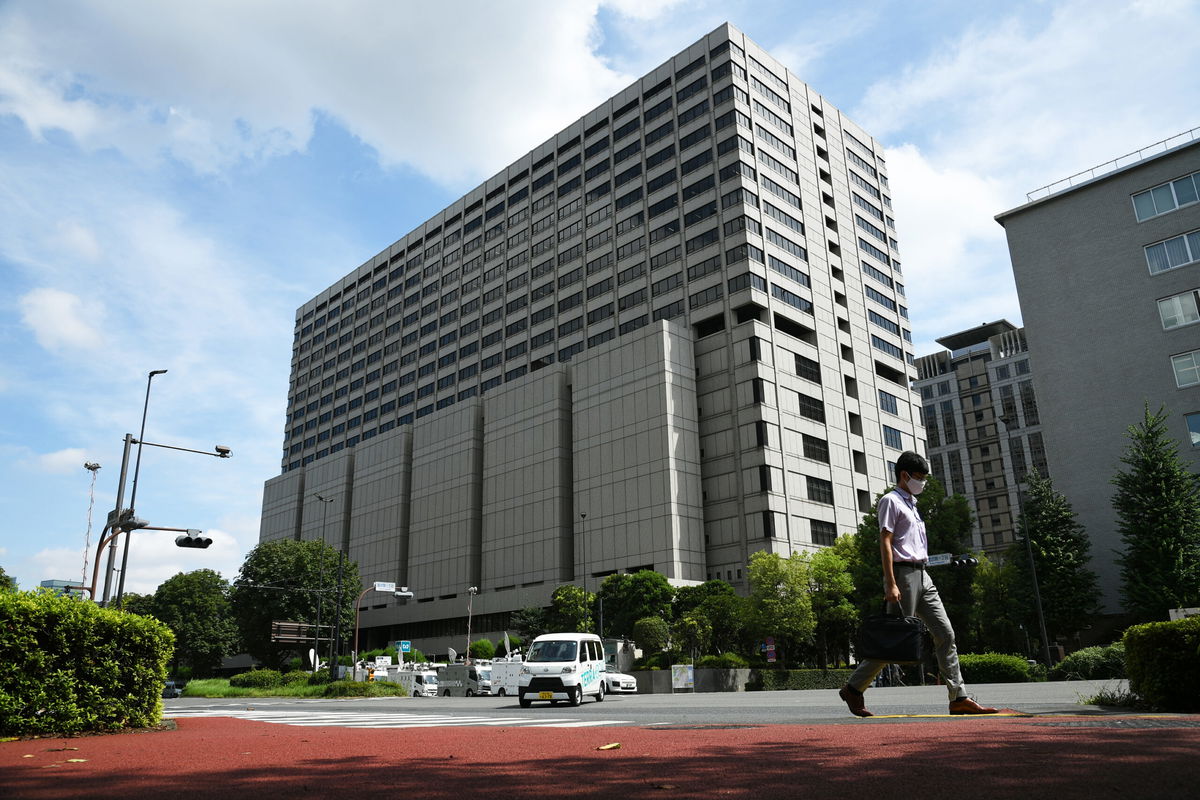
[911, 462]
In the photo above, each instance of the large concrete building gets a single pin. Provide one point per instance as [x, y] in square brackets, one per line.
[1108, 275]
[983, 424]
[670, 336]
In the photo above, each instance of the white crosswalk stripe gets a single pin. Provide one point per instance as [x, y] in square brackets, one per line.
[366, 720]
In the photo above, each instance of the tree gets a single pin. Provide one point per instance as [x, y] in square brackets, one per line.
[1060, 546]
[482, 648]
[530, 622]
[779, 600]
[721, 605]
[1158, 515]
[284, 581]
[7, 582]
[514, 646]
[195, 606]
[142, 604]
[571, 609]
[628, 598]
[652, 634]
[832, 588]
[1004, 609]
[692, 633]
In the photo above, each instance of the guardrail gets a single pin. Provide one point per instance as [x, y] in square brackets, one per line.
[1113, 165]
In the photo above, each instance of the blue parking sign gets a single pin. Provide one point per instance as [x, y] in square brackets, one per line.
[405, 646]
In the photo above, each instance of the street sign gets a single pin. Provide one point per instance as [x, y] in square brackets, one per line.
[941, 559]
[385, 586]
[405, 646]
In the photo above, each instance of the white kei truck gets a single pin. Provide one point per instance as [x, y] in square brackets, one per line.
[562, 666]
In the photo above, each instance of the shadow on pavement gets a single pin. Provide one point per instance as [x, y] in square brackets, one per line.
[996, 758]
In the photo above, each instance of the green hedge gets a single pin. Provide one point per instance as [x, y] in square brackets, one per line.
[769, 680]
[70, 666]
[258, 679]
[1162, 660]
[723, 661]
[364, 689]
[1091, 663]
[995, 668]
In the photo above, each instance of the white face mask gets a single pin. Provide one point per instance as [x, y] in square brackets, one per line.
[914, 486]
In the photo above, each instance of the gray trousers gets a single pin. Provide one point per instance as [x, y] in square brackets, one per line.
[920, 598]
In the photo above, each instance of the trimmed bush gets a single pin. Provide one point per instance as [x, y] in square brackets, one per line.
[360, 689]
[320, 677]
[994, 668]
[1162, 660]
[770, 680]
[257, 679]
[71, 666]
[723, 661]
[294, 677]
[1091, 663]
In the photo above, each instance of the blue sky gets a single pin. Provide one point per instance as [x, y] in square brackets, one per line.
[176, 178]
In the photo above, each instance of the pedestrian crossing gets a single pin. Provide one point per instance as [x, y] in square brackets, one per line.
[386, 720]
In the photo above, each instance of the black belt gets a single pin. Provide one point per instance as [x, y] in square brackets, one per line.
[913, 564]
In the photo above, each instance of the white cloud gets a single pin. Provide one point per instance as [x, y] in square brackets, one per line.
[79, 240]
[245, 80]
[61, 320]
[62, 462]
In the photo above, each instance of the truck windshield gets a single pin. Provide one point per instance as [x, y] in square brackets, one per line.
[428, 678]
[552, 650]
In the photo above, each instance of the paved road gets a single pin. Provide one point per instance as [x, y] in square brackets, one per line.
[725, 708]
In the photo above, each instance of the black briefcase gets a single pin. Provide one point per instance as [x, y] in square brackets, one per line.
[890, 637]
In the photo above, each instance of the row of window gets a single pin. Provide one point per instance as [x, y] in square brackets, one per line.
[1167, 197]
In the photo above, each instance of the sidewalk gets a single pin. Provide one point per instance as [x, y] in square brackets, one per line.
[1074, 757]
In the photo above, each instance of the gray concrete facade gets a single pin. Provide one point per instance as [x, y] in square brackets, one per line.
[662, 339]
[1089, 291]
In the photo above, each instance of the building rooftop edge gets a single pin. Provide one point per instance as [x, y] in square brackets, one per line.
[1194, 141]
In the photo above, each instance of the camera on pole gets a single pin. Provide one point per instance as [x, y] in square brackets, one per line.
[193, 538]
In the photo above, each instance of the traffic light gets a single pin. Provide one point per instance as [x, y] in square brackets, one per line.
[192, 539]
[964, 560]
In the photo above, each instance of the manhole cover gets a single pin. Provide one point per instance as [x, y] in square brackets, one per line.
[1124, 723]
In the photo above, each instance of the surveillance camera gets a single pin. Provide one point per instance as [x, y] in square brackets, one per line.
[223, 451]
[92, 465]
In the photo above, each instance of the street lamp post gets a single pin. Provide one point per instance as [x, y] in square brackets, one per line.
[1009, 423]
[471, 592]
[321, 580]
[379, 586]
[137, 467]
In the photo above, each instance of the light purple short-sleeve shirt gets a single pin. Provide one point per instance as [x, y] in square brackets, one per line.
[898, 514]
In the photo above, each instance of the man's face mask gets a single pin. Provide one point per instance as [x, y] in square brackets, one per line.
[914, 486]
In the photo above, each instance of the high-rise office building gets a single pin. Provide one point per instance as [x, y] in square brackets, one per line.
[670, 336]
[1108, 274]
[982, 424]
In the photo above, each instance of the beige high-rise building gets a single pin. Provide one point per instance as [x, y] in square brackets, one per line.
[670, 336]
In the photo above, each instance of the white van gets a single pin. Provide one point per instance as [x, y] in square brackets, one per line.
[418, 679]
[562, 666]
[465, 680]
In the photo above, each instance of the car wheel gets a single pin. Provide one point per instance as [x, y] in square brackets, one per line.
[577, 696]
[502, 693]
[524, 703]
[600, 694]
[446, 693]
[470, 692]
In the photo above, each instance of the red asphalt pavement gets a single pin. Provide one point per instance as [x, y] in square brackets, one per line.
[224, 758]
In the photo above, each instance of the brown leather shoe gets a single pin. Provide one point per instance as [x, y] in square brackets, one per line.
[854, 699]
[966, 705]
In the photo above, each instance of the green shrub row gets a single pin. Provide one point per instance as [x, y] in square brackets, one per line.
[996, 668]
[1162, 660]
[69, 666]
[723, 661]
[1091, 663]
[769, 680]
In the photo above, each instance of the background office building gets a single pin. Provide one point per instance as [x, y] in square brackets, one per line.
[982, 424]
[670, 336]
[1108, 275]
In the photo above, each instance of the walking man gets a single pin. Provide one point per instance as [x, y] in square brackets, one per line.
[904, 550]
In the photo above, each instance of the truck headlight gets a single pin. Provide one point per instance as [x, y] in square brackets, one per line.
[568, 670]
[526, 671]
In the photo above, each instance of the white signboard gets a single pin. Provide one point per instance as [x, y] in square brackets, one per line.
[385, 586]
[383, 661]
[939, 560]
[682, 677]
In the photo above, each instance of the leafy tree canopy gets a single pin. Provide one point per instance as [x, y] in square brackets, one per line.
[571, 609]
[628, 598]
[7, 582]
[195, 606]
[288, 581]
[780, 604]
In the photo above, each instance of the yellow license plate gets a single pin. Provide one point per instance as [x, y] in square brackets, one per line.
[545, 695]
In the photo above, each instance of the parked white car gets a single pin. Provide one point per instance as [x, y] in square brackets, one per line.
[620, 683]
